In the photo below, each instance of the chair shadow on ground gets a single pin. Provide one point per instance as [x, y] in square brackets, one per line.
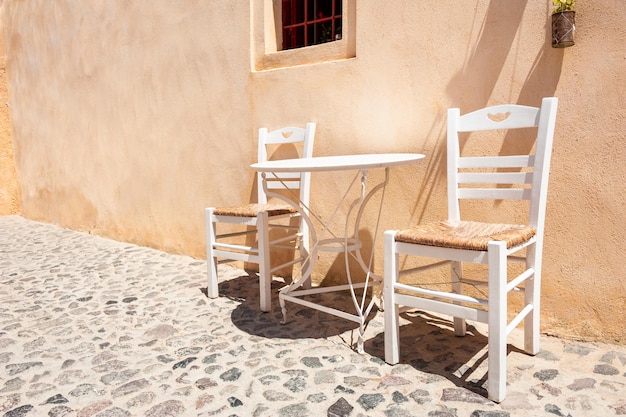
[428, 344]
[302, 322]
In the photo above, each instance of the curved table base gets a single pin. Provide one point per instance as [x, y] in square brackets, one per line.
[350, 244]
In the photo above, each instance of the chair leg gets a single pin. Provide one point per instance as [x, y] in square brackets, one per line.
[456, 270]
[532, 291]
[265, 275]
[497, 321]
[391, 309]
[306, 248]
[211, 262]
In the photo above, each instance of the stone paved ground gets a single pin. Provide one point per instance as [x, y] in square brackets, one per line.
[94, 327]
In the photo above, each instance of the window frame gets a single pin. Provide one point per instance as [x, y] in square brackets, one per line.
[266, 19]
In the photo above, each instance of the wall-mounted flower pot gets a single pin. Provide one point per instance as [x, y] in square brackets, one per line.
[563, 28]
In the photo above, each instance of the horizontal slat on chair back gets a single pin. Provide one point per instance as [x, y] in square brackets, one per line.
[496, 193]
[508, 116]
[510, 161]
[502, 182]
[495, 178]
[285, 135]
[283, 180]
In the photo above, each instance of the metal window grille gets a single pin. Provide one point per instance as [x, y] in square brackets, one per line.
[310, 22]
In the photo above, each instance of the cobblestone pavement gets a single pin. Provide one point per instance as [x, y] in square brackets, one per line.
[94, 327]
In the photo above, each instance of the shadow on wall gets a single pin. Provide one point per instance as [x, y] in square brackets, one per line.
[473, 86]
[487, 60]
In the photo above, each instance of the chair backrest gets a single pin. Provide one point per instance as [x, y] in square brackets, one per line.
[297, 182]
[502, 177]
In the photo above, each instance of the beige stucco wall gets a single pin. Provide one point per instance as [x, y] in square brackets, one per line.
[131, 117]
[9, 190]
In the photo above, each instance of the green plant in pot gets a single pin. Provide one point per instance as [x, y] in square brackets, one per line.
[563, 23]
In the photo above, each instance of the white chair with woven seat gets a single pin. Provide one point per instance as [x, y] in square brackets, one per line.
[491, 177]
[261, 217]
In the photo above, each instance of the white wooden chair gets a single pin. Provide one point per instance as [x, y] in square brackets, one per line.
[261, 217]
[517, 177]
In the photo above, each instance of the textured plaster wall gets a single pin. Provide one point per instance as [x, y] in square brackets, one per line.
[9, 193]
[131, 117]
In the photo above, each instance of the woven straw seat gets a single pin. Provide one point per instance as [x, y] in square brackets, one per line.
[251, 210]
[466, 234]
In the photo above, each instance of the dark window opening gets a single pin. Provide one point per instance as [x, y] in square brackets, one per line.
[310, 22]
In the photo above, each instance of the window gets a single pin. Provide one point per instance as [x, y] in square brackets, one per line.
[310, 22]
[289, 33]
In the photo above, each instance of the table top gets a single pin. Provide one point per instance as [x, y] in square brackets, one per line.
[338, 162]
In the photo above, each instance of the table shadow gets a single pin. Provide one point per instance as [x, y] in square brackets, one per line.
[302, 322]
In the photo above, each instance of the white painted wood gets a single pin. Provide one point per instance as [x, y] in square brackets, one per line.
[338, 162]
[487, 118]
[496, 321]
[531, 184]
[495, 178]
[261, 223]
[211, 260]
[391, 308]
[509, 161]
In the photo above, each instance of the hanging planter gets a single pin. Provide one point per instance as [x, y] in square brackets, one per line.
[563, 24]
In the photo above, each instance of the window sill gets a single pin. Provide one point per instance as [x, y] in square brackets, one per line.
[331, 51]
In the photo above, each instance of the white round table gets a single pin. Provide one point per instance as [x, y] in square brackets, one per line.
[361, 163]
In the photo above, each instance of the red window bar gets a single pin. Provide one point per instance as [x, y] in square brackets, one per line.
[310, 22]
